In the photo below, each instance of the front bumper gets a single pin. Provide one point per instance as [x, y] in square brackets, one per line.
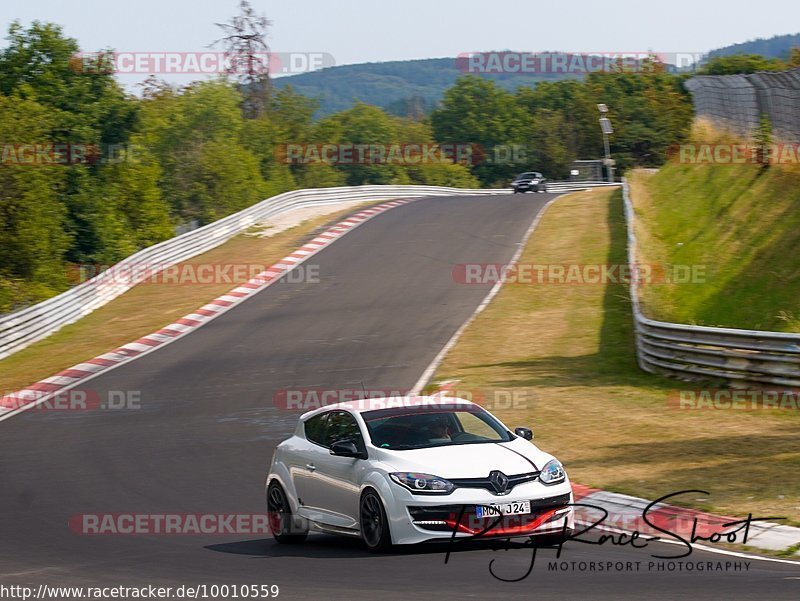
[420, 518]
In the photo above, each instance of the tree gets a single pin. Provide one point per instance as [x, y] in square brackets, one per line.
[564, 124]
[86, 109]
[363, 125]
[763, 140]
[33, 239]
[178, 128]
[87, 103]
[246, 47]
[476, 112]
[741, 63]
[548, 151]
[794, 58]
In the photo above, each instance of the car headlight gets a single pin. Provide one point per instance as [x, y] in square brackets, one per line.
[423, 483]
[534, 181]
[553, 473]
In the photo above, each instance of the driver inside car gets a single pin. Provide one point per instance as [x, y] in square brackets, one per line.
[439, 431]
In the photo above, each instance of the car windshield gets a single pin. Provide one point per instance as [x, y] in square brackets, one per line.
[402, 429]
[528, 176]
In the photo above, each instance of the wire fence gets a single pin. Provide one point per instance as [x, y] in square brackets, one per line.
[737, 102]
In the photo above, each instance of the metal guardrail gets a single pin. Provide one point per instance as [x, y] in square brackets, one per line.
[740, 358]
[558, 187]
[24, 327]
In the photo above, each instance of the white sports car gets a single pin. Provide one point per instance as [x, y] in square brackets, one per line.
[414, 469]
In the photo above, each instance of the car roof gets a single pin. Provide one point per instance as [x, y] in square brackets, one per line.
[376, 404]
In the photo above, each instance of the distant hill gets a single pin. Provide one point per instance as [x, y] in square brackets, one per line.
[415, 87]
[400, 87]
[775, 47]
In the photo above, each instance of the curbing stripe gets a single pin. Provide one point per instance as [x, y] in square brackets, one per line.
[14, 403]
[625, 515]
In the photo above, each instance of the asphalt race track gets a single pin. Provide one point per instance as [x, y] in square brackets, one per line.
[201, 442]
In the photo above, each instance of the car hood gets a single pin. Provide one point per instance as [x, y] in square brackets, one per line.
[469, 461]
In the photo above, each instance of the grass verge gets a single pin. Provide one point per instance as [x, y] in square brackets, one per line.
[740, 224]
[151, 305]
[569, 351]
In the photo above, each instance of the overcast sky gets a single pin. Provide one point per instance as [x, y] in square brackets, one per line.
[376, 30]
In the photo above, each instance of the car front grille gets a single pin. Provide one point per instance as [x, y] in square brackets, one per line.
[486, 483]
[446, 518]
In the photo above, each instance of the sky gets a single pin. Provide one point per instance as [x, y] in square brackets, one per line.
[376, 30]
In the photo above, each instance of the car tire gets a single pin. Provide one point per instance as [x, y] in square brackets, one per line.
[281, 519]
[374, 524]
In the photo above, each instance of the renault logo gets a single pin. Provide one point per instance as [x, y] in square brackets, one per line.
[499, 482]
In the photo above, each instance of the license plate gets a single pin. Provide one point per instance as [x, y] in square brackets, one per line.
[495, 510]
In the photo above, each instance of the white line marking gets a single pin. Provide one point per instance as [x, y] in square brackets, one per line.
[181, 331]
[699, 547]
[431, 369]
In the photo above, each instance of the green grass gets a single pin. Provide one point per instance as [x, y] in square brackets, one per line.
[567, 351]
[150, 306]
[790, 552]
[742, 224]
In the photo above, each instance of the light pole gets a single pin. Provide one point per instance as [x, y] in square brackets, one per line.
[607, 129]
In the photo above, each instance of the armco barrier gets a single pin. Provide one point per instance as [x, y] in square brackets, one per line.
[558, 187]
[22, 328]
[740, 358]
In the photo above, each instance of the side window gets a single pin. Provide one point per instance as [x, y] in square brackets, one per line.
[343, 426]
[315, 429]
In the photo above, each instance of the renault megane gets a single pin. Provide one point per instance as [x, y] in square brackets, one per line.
[407, 470]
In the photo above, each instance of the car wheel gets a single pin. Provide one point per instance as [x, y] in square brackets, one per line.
[282, 522]
[374, 523]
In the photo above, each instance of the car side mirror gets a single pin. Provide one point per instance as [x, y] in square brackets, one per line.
[525, 433]
[347, 448]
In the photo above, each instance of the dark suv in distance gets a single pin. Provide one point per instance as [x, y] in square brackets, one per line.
[529, 182]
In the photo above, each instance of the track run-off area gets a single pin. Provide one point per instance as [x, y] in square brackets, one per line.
[211, 409]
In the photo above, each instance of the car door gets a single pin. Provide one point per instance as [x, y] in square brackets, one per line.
[336, 482]
[302, 463]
